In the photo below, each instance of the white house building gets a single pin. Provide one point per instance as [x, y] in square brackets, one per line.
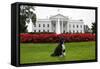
[57, 24]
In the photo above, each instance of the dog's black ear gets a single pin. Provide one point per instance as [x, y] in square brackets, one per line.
[63, 50]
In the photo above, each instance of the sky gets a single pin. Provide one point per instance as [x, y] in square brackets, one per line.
[87, 15]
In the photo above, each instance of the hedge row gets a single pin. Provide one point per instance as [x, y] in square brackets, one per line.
[50, 38]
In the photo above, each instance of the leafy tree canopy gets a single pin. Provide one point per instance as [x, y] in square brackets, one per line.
[93, 28]
[26, 13]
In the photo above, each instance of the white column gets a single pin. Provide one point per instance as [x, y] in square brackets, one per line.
[82, 28]
[62, 26]
[58, 27]
[67, 27]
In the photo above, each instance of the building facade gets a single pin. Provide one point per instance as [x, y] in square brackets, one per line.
[57, 24]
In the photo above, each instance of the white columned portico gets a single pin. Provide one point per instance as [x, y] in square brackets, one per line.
[58, 27]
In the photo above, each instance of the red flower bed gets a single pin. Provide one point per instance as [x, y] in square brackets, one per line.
[50, 38]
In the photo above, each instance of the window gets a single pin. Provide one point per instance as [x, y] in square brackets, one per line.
[48, 30]
[39, 25]
[54, 30]
[34, 30]
[77, 31]
[73, 31]
[64, 25]
[81, 31]
[39, 30]
[43, 25]
[48, 25]
[54, 25]
[43, 30]
[53, 21]
[73, 26]
[81, 26]
[69, 31]
[64, 31]
[77, 26]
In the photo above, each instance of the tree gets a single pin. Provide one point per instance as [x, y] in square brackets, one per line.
[26, 13]
[86, 29]
[93, 28]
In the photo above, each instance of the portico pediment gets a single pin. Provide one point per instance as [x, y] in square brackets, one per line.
[58, 16]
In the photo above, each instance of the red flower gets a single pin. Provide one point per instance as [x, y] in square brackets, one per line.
[50, 38]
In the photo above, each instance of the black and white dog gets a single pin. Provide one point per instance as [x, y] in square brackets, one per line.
[60, 49]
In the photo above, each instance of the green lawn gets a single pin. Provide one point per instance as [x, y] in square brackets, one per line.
[40, 52]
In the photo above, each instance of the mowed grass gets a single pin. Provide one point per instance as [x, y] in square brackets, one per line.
[40, 52]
